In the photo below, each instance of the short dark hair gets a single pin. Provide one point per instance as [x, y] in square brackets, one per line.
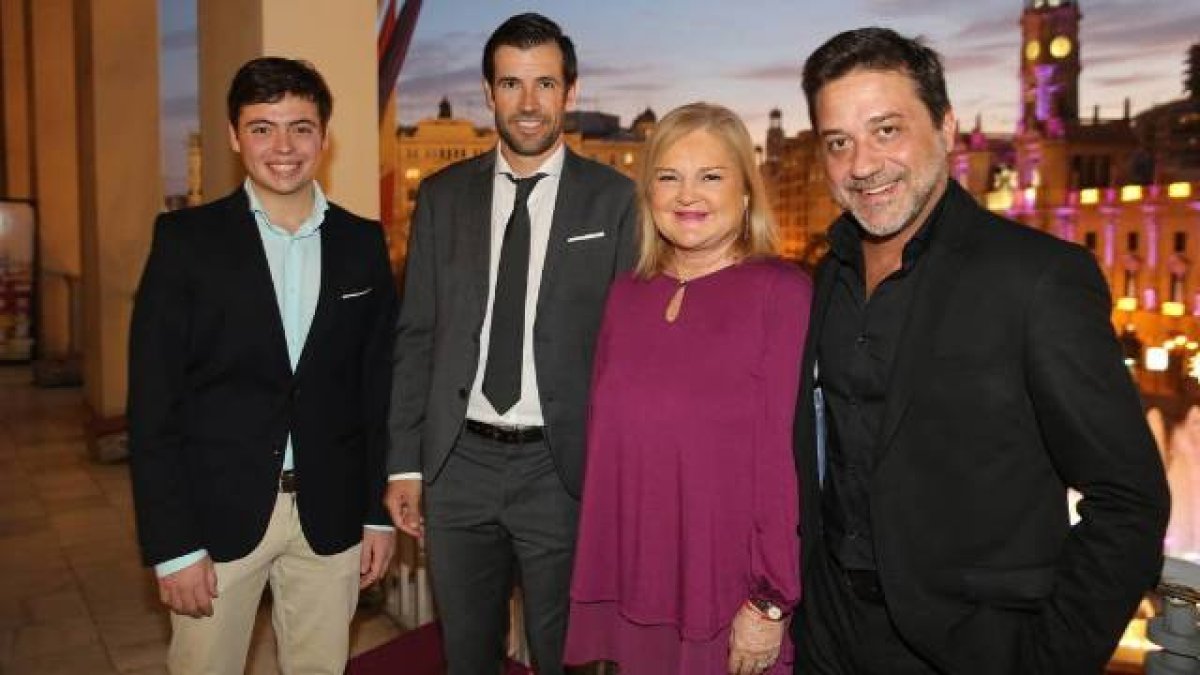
[879, 49]
[525, 31]
[268, 79]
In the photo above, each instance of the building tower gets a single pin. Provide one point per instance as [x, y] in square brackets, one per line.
[774, 137]
[1050, 66]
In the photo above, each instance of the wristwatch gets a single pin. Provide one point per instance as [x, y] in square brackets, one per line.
[766, 609]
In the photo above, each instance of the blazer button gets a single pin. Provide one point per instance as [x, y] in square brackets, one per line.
[462, 393]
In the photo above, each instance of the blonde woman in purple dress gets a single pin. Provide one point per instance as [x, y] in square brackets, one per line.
[687, 559]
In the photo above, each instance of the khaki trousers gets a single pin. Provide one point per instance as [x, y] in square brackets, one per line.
[314, 600]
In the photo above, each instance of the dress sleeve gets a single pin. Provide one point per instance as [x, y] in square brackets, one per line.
[775, 543]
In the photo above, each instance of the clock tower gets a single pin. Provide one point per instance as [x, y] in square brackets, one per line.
[1050, 66]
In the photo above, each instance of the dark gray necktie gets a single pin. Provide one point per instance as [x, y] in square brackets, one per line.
[502, 375]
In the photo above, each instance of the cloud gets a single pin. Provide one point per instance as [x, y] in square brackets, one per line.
[785, 71]
[636, 87]
[973, 60]
[440, 83]
[904, 8]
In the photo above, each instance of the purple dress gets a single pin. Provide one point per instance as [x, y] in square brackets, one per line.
[690, 501]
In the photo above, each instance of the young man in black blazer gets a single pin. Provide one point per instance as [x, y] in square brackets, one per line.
[494, 354]
[258, 391]
[961, 373]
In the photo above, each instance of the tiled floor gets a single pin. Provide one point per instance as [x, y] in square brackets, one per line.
[73, 596]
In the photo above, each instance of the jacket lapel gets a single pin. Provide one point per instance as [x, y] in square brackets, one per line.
[567, 220]
[477, 228]
[333, 256]
[250, 263]
[937, 276]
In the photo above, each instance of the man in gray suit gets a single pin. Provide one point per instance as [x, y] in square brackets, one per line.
[509, 262]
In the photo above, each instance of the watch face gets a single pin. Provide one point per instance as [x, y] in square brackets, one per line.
[1032, 49]
[1060, 46]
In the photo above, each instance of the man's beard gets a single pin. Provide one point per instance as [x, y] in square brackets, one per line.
[530, 148]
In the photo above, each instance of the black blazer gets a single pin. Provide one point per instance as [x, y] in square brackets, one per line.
[1008, 387]
[445, 298]
[212, 395]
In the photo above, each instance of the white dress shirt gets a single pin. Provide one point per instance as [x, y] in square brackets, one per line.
[527, 411]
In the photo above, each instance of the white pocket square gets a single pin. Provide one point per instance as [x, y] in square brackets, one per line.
[356, 294]
[585, 237]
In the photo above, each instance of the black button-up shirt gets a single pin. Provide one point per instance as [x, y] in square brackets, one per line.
[856, 350]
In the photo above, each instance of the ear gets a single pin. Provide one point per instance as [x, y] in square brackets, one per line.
[572, 94]
[949, 128]
[488, 97]
[233, 140]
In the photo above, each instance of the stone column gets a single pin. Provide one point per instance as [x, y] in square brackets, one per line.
[56, 188]
[120, 189]
[336, 37]
[14, 69]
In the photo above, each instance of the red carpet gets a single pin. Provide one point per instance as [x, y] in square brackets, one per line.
[417, 652]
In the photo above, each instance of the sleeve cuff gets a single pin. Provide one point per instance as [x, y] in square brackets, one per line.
[379, 528]
[408, 475]
[173, 565]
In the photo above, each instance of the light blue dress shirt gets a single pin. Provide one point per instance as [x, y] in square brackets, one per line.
[295, 262]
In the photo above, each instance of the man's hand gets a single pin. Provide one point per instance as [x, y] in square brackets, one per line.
[403, 502]
[377, 549]
[754, 642]
[190, 591]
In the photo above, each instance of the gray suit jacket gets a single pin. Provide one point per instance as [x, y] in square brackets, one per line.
[445, 297]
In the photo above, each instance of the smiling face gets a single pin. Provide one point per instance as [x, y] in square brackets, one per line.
[884, 158]
[529, 96]
[281, 145]
[698, 196]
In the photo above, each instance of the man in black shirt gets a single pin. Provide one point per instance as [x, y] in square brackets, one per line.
[961, 373]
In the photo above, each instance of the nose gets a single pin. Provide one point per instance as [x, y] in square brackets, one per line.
[528, 100]
[865, 161]
[687, 192]
[283, 142]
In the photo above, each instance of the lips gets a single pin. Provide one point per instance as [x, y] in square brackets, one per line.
[529, 126]
[691, 216]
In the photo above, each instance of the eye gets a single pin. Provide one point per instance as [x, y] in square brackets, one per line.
[666, 178]
[547, 84]
[836, 144]
[507, 84]
[887, 131]
[712, 176]
[259, 129]
[303, 129]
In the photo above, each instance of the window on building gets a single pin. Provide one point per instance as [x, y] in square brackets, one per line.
[1180, 242]
[1089, 241]
[1131, 242]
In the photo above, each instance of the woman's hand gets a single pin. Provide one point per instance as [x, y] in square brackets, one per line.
[754, 642]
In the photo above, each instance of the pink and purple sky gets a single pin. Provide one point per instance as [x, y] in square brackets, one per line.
[746, 55]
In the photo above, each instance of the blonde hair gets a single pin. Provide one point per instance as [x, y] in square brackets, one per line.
[759, 235]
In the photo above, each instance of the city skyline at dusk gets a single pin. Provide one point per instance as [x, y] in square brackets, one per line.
[749, 57]
[633, 55]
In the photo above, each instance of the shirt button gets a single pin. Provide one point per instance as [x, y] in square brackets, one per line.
[862, 340]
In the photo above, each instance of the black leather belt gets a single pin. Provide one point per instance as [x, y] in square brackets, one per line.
[505, 434]
[864, 584]
[287, 481]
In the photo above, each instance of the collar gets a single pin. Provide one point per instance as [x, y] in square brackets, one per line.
[552, 167]
[308, 227]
